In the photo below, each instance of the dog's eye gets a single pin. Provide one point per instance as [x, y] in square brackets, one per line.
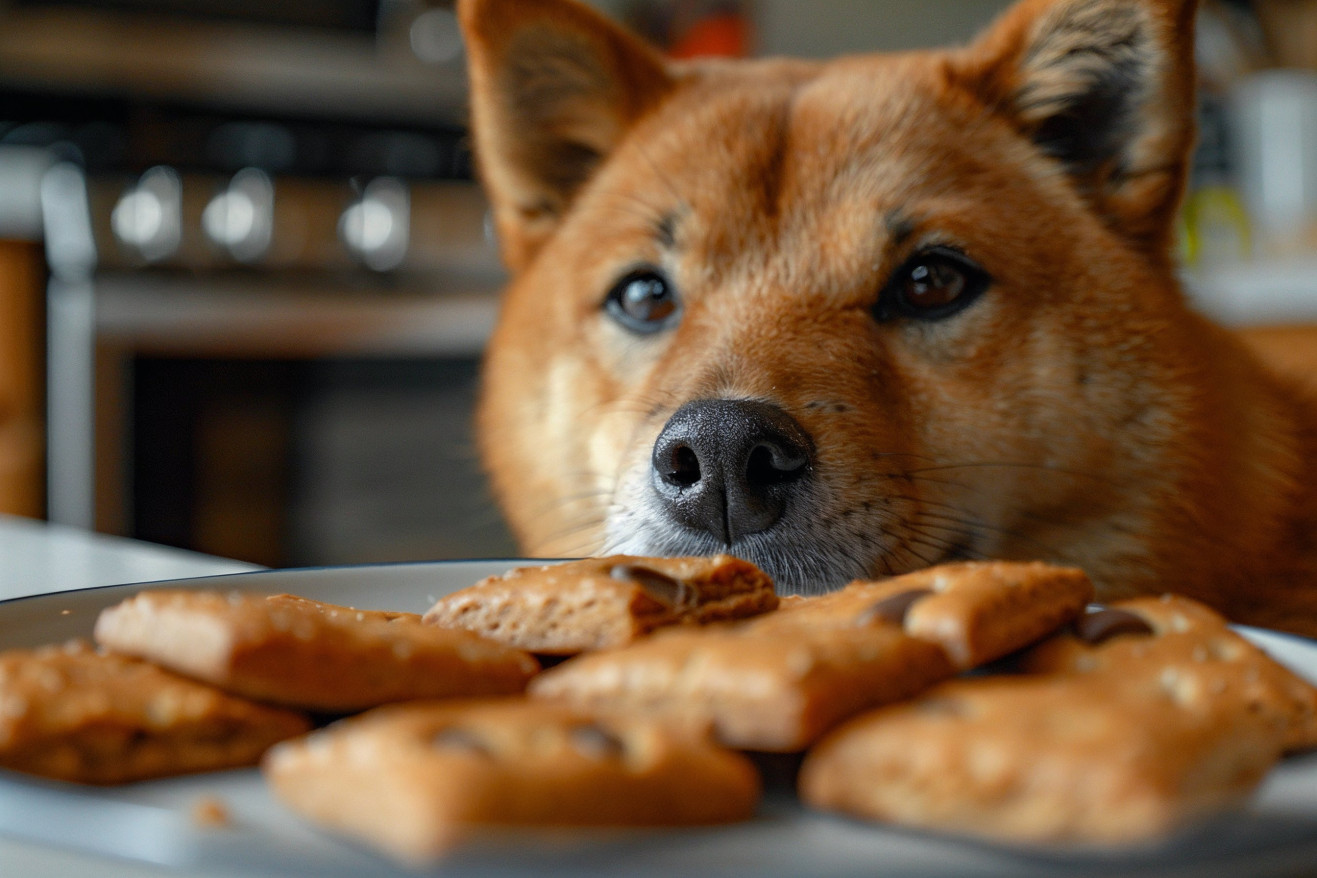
[933, 284]
[643, 301]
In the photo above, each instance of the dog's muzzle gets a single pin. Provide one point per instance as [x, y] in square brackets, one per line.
[729, 467]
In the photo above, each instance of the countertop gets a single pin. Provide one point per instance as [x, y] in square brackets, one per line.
[36, 558]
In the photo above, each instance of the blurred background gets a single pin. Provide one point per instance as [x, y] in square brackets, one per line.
[246, 276]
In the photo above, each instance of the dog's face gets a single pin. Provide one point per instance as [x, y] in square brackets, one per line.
[842, 319]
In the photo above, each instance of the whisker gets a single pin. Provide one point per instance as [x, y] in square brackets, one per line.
[959, 517]
[1062, 515]
[908, 548]
[577, 528]
[1007, 464]
[552, 505]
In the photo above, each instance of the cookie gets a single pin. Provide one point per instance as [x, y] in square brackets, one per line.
[1183, 643]
[293, 651]
[979, 611]
[1144, 718]
[1041, 760]
[414, 779]
[777, 682]
[72, 713]
[604, 602]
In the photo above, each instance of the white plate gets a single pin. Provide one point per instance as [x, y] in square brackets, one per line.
[153, 823]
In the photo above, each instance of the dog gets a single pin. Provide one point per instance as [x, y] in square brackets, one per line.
[850, 318]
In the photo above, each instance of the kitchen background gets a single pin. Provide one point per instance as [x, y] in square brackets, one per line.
[245, 277]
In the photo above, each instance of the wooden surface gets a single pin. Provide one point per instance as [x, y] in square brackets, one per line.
[22, 427]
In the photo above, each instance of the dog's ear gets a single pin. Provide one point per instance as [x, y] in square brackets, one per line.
[554, 86]
[1106, 87]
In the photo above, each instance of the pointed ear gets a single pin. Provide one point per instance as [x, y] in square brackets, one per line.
[1106, 88]
[554, 87]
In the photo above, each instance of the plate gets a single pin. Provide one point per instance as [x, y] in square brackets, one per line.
[154, 823]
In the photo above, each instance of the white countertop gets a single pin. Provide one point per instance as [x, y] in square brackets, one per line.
[36, 558]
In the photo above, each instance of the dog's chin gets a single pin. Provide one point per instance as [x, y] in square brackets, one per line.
[798, 564]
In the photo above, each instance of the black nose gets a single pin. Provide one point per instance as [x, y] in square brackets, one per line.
[729, 466]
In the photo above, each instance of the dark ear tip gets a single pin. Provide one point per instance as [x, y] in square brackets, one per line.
[1106, 89]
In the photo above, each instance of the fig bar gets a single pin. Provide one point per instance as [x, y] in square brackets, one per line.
[778, 681]
[414, 779]
[569, 608]
[72, 713]
[303, 653]
[1148, 717]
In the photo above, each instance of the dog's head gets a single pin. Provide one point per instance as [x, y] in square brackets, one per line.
[843, 318]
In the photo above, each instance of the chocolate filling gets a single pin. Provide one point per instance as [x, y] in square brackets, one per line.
[595, 742]
[663, 588]
[893, 608]
[457, 738]
[1102, 625]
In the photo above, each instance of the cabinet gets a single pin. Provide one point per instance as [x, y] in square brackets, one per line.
[22, 431]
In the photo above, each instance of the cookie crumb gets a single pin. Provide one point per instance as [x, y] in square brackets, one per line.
[211, 812]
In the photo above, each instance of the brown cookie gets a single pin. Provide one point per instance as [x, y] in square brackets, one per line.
[303, 653]
[414, 779]
[981, 610]
[1086, 760]
[1140, 720]
[603, 602]
[1183, 643]
[72, 713]
[778, 681]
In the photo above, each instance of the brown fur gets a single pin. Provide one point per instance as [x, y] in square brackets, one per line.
[1078, 411]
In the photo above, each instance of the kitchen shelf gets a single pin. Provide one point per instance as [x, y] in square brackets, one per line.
[209, 316]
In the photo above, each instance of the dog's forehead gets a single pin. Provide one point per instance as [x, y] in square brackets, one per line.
[852, 119]
[871, 132]
[747, 159]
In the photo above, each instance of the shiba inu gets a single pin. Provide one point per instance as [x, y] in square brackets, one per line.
[851, 318]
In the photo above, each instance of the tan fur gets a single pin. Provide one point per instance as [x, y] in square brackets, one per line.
[1079, 411]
